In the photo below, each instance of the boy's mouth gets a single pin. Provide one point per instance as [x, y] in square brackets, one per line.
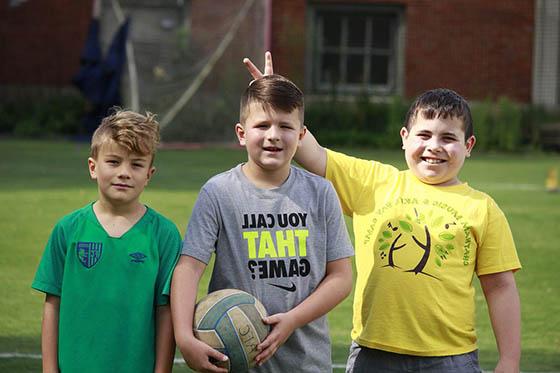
[272, 149]
[432, 160]
[122, 186]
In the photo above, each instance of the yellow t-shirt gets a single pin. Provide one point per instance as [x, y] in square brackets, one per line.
[417, 248]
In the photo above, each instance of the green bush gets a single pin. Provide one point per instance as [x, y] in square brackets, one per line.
[483, 124]
[500, 125]
[508, 124]
[57, 115]
[358, 122]
[395, 121]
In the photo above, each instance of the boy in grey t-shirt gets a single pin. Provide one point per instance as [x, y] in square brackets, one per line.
[277, 232]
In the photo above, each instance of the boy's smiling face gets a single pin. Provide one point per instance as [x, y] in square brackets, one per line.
[121, 175]
[435, 149]
[271, 137]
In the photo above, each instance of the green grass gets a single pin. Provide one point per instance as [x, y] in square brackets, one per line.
[42, 181]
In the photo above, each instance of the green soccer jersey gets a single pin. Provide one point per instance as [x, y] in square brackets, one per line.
[109, 289]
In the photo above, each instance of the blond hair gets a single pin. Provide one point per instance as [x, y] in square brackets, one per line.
[135, 132]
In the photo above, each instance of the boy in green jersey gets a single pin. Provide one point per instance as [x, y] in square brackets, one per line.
[106, 267]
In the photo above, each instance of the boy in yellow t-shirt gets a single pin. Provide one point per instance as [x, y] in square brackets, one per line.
[420, 236]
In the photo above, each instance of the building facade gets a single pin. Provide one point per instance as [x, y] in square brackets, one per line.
[483, 49]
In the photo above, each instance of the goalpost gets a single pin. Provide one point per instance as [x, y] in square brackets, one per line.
[184, 61]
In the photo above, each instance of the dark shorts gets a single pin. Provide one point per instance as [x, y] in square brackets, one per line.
[363, 359]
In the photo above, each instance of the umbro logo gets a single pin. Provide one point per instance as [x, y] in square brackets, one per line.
[291, 289]
[137, 257]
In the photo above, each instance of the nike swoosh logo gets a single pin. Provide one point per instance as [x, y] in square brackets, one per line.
[291, 289]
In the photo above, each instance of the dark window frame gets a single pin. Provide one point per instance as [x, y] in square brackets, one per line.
[394, 52]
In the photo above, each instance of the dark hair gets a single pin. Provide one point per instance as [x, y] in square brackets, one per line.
[272, 92]
[441, 103]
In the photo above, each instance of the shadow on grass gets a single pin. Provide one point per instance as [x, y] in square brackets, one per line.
[20, 365]
[22, 345]
[18, 344]
[531, 360]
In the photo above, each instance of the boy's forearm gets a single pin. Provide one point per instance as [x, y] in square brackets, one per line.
[311, 155]
[505, 314]
[184, 288]
[333, 289]
[165, 342]
[49, 334]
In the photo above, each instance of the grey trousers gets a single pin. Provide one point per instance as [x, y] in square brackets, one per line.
[367, 360]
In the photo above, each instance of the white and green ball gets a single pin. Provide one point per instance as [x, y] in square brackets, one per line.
[230, 321]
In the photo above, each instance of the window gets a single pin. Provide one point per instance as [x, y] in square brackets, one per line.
[356, 49]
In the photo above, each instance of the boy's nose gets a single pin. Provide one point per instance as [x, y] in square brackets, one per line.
[124, 172]
[272, 134]
[434, 145]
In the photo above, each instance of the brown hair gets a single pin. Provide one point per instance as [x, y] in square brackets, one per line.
[441, 103]
[272, 92]
[135, 132]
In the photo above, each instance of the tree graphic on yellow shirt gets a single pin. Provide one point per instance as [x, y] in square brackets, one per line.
[420, 228]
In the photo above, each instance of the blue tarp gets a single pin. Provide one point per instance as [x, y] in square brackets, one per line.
[99, 78]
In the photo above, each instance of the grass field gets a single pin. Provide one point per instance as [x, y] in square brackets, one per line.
[42, 181]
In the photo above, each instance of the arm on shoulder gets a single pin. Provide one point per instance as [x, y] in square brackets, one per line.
[333, 289]
[184, 288]
[49, 333]
[311, 155]
[504, 308]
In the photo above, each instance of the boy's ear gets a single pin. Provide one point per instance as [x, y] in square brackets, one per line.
[151, 173]
[404, 135]
[240, 132]
[302, 133]
[91, 167]
[469, 144]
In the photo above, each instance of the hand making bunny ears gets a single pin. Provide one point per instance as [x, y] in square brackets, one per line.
[254, 70]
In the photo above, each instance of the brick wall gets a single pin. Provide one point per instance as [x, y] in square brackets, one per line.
[480, 48]
[289, 39]
[41, 41]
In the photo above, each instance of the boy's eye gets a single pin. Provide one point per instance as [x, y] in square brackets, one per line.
[138, 164]
[112, 161]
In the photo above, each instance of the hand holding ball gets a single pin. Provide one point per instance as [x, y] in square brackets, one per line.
[230, 321]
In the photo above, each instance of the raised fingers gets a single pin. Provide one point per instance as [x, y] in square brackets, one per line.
[268, 70]
[253, 70]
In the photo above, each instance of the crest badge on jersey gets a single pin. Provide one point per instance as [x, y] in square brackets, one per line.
[89, 253]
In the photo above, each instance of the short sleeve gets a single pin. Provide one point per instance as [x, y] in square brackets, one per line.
[48, 278]
[203, 229]
[355, 179]
[169, 248]
[496, 252]
[338, 241]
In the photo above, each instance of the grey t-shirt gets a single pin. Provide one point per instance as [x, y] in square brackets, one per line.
[274, 244]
